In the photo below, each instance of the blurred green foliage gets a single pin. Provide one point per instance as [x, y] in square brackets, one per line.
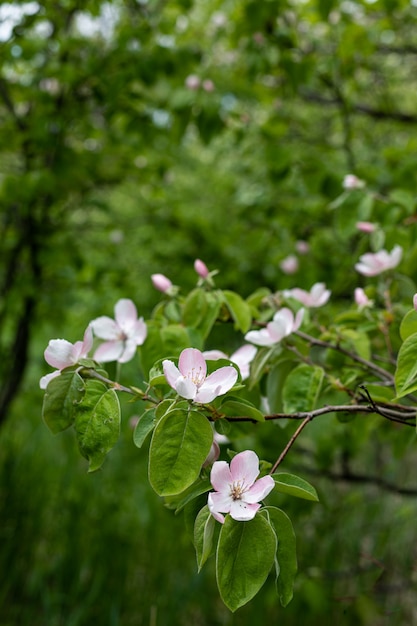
[112, 168]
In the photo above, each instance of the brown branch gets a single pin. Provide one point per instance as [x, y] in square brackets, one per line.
[291, 443]
[379, 371]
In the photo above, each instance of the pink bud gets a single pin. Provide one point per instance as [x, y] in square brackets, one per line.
[366, 227]
[289, 265]
[208, 85]
[415, 301]
[201, 268]
[161, 282]
[302, 247]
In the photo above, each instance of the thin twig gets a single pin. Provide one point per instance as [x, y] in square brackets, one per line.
[290, 443]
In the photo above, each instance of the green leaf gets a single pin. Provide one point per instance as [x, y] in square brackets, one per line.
[178, 502]
[97, 423]
[195, 307]
[275, 384]
[180, 444]
[145, 425]
[237, 407]
[406, 372]
[295, 486]
[214, 303]
[286, 552]
[239, 310]
[245, 555]
[302, 387]
[62, 395]
[408, 325]
[203, 535]
[175, 338]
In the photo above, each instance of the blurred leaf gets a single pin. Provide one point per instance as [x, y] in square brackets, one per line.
[239, 407]
[406, 372]
[286, 552]
[302, 387]
[239, 310]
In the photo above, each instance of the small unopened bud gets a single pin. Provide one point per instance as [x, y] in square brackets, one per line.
[351, 181]
[161, 282]
[366, 227]
[201, 268]
[192, 82]
[290, 264]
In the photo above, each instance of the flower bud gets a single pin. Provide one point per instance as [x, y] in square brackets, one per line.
[201, 268]
[161, 282]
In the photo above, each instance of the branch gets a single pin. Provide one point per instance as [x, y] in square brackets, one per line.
[290, 443]
[379, 371]
[378, 114]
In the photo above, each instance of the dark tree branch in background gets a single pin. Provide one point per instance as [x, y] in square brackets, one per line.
[378, 114]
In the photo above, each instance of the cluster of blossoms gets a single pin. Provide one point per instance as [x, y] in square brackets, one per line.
[122, 336]
[237, 489]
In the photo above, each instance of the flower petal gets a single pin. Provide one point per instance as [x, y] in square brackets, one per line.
[59, 353]
[186, 388]
[139, 332]
[43, 383]
[243, 512]
[260, 337]
[217, 516]
[192, 364]
[214, 355]
[259, 490]
[109, 351]
[221, 380]
[105, 328]
[126, 315]
[220, 477]
[171, 372]
[129, 351]
[244, 468]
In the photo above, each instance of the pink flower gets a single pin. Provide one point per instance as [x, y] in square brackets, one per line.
[374, 264]
[290, 264]
[415, 301]
[123, 334]
[242, 358]
[351, 181]
[161, 282]
[366, 227]
[190, 378]
[361, 298]
[60, 353]
[283, 324]
[236, 489]
[201, 268]
[317, 296]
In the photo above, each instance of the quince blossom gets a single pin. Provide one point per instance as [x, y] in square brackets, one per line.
[190, 378]
[317, 296]
[60, 353]
[373, 264]
[236, 489]
[123, 334]
[283, 324]
[351, 181]
[242, 358]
